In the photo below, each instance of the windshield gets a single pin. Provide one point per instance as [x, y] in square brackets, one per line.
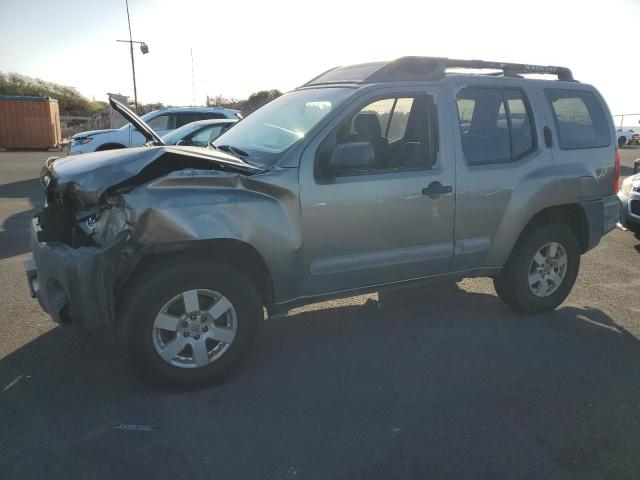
[146, 117]
[269, 131]
[173, 136]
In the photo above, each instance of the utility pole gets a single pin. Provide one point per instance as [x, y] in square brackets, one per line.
[133, 63]
[144, 48]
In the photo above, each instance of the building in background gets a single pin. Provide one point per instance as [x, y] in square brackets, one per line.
[115, 119]
[29, 122]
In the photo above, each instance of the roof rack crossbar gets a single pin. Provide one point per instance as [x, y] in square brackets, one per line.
[512, 69]
[429, 68]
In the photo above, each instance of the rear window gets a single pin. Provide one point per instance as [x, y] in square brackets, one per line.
[580, 119]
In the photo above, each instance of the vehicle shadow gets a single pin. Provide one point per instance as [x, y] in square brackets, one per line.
[14, 236]
[432, 382]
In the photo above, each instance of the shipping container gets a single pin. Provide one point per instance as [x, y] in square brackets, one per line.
[29, 122]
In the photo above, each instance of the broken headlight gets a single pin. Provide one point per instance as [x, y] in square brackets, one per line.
[103, 224]
[88, 219]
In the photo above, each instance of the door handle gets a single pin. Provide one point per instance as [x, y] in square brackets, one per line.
[435, 189]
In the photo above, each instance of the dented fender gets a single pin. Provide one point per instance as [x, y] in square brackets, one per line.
[107, 210]
[194, 205]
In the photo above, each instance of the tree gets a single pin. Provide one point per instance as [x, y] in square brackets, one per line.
[70, 101]
[220, 101]
[251, 104]
[258, 99]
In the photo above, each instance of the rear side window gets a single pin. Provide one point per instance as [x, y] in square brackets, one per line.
[188, 117]
[580, 119]
[495, 125]
[184, 118]
[210, 115]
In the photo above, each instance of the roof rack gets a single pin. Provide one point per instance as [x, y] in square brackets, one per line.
[427, 68]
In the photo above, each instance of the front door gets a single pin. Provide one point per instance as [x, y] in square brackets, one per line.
[385, 217]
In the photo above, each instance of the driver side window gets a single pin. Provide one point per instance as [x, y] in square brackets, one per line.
[388, 134]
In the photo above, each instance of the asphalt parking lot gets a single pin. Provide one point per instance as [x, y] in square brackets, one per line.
[445, 382]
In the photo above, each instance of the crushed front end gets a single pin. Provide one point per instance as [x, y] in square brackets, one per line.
[78, 255]
[100, 216]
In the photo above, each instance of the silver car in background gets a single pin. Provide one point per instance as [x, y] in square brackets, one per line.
[198, 134]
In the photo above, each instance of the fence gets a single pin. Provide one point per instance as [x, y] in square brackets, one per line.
[633, 121]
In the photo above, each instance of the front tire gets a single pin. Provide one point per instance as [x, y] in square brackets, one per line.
[190, 324]
[541, 270]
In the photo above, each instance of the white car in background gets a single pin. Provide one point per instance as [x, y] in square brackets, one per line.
[161, 121]
[626, 136]
[629, 196]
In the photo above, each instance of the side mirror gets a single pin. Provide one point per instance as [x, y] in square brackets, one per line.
[352, 156]
[181, 142]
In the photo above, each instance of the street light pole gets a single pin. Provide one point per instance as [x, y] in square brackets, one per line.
[144, 48]
[133, 63]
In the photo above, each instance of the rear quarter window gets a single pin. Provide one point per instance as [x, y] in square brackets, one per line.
[581, 122]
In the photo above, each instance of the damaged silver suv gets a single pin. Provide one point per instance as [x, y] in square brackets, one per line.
[366, 177]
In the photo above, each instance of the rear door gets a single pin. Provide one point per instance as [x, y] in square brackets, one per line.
[388, 221]
[500, 153]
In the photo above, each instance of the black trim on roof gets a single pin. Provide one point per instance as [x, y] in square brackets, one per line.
[427, 68]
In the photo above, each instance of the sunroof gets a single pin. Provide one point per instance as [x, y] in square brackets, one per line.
[352, 73]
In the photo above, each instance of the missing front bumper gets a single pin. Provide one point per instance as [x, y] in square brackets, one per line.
[75, 285]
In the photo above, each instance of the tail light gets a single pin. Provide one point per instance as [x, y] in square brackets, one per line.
[616, 174]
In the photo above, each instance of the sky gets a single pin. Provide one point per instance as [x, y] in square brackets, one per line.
[240, 46]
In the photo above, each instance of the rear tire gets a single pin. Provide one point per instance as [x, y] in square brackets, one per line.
[518, 284]
[622, 141]
[165, 292]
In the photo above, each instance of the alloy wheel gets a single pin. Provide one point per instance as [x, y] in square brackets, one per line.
[194, 328]
[547, 269]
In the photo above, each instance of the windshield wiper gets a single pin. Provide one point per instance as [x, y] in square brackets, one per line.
[231, 149]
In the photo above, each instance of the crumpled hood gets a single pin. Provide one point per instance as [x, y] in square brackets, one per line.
[91, 174]
[92, 132]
